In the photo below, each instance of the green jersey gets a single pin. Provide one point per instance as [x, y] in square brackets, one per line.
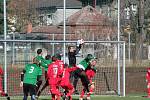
[40, 59]
[83, 64]
[31, 73]
[45, 64]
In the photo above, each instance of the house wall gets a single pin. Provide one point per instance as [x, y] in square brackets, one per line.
[58, 15]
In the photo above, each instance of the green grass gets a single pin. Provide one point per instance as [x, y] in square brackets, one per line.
[139, 97]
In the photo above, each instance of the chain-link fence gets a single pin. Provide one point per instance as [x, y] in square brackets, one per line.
[106, 53]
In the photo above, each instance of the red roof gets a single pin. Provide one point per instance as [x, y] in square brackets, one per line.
[83, 23]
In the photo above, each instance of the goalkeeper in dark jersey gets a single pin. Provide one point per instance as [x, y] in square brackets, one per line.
[29, 77]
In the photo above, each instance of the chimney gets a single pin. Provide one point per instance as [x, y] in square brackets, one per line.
[29, 27]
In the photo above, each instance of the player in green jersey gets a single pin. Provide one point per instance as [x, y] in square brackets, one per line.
[43, 64]
[45, 83]
[29, 77]
[83, 65]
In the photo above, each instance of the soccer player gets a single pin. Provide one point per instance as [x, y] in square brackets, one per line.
[72, 52]
[148, 82]
[41, 62]
[65, 81]
[29, 77]
[90, 72]
[1, 86]
[45, 65]
[54, 72]
[83, 65]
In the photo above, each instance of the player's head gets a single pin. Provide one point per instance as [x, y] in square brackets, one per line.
[93, 63]
[89, 57]
[48, 57]
[39, 51]
[71, 48]
[56, 57]
[35, 61]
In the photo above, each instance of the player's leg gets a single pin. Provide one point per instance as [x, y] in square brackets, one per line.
[38, 84]
[92, 87]
[53, 96]
[55, 92]
[45, 84]
[82, 94]
[148, 89]
[32, 91]
[71, 90]
[85, 81]
[2, 91]
[43, 87]
[75, 81]
[25, 91]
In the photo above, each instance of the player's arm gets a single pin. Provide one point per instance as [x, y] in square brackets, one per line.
[79, 45]
[22, 76]
[72, 69]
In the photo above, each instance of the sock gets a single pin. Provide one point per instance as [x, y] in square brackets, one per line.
[148, 91]
[82, 93]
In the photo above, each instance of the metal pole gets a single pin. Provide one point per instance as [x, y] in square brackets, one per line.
[129, 49]
[5, 50]
[93, 44]
[64, 14]
[50, 41]
[13, 51]
[124, 70]
[118, 48]
[53, 45]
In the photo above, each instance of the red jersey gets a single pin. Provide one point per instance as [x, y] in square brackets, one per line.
[148, 75]
[66, 75]
[1, 71]
[61, 66]
[53, 70]
[90, 74]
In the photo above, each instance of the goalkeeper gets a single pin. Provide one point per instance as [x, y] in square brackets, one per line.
[72, 52]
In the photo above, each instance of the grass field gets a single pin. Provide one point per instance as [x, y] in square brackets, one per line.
[140, 97]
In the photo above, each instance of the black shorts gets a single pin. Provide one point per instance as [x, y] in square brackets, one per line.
[29, 88]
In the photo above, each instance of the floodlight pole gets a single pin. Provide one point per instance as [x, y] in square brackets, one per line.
[64, 14]
[5, 49]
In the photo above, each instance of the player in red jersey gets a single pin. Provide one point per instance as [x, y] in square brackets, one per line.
[65, 81]
[90, 72]
[148, 82]
[53, 73]
[1, 86]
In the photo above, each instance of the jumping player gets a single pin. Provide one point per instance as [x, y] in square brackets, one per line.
[54, 72]
[90, 72]
[83, 65]
[29, 77]
[41, 62]
[72, 52]
[45, 65]
[65, 81]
